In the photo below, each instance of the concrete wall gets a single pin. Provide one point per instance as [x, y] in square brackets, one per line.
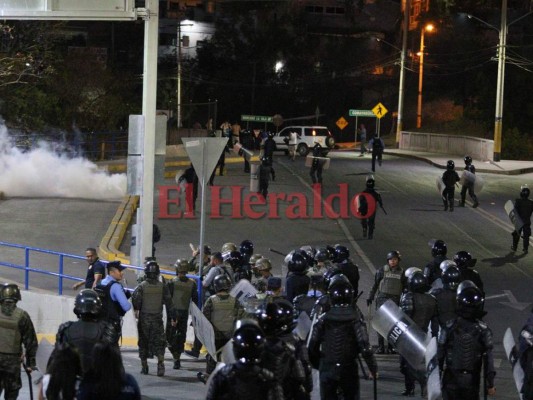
[48, 311]
[477, 148]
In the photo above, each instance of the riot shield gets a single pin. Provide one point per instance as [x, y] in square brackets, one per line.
[432, 371]
[400, 331]
[513, 215]
[203, 329]
[470, 179]
[303, 325]
[242, 290]
[512, 355]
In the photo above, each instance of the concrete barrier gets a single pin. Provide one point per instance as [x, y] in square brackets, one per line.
[477, 148]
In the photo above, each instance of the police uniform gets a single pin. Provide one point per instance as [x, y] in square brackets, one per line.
[369, 221]
[468, 186]
[524, 208]
[449, 178]
[317, 165]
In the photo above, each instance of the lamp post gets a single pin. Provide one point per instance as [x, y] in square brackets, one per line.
[428, 28]
[498, 115]
[401, 89]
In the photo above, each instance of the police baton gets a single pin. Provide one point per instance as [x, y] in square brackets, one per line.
[375, 386]
[29, 379]
[380, 206]
[277, 252]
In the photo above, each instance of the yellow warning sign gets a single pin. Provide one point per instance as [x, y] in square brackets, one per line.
[379, 110]
[341, 123]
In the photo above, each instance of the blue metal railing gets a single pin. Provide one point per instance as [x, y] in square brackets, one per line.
[27, 266]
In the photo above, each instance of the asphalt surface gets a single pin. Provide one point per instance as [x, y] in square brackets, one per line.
[414, 217]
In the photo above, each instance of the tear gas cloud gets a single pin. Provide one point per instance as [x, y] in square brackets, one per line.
[42, 171]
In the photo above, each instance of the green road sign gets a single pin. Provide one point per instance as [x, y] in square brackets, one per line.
[258, 118]
[361, 113]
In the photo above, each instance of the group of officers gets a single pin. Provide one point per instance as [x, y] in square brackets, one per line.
[275, 350]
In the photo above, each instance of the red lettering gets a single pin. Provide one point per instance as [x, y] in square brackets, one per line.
[273, 212]
[165, 201]
[253, 199]
[189, 201]
[317, 200]
[217, 201]
[298, 210]
[342, 198]
[371, 205]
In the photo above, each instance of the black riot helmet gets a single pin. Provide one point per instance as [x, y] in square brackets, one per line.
[470, 300]
[87, 303]
[370, 183]
[341, 254]
[221, 283]
[468, 160]
[151, 269]
[246, 248]
[524, 192]
[451, 277]
[297, 263]
[276, 318]
[341, 292]
[394, 253]
[10, 291]
[439, 248]
[450, 165]
[235, 260]
[464, 259]
[328, 275]
[331, 252]
[321, 255]
[417, 282]
[248, 342]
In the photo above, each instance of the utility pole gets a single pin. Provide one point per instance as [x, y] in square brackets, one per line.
[401, 90]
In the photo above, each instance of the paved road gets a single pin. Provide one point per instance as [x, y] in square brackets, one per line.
[414, 217]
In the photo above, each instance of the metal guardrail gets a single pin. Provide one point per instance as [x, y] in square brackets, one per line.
[28, 268]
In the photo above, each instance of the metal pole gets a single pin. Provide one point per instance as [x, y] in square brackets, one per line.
[146, 214]
[178, 85]
[401, 90]
[499, 87]
[420, 81]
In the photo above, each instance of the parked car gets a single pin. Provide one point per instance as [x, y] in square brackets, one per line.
[307, 137]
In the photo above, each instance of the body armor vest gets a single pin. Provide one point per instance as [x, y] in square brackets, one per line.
[224, 314]
[466, 350]
[10, 339]
[111, 310]
[152, 300]
[181, 297]
[246, 382]
[277, 358]
[84, 335]
[446, 305]
[391, 284]
[424, 308]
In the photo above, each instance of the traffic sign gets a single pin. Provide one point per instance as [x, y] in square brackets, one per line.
[361, 113]
[379, 110]
[256, 118]
[341, 123]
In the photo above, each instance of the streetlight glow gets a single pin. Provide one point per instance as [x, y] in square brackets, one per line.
[427, 28]
[279, 66]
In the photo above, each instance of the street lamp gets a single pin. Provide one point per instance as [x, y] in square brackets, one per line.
[498, 115]
[426, 28]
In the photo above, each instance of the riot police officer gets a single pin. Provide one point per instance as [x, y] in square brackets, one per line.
[525, 357]
[89, 329]
[524, 208]
[279, 356]
[246, 249]
[463, 345]
[449, 178]
[297, 281]
[16, 331]
[317, 165]
[182, 290]
[368, 222]
[333, 346]
[464, 261]
[468, 185]
[246, 378]
[445, 296]
[346, 266]
[432, 270]
[421, 307]
[388, 284]
[148, 300]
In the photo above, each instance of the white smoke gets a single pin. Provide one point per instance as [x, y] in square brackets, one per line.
[43, 172]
